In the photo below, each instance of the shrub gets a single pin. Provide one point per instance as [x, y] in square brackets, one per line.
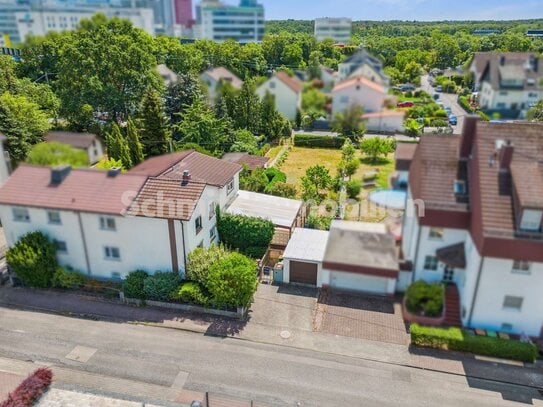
[33, 259]
[439, 123]
[191, 293]
[318, 222]
[464, 103]
[353, 188]
[134, 283]
[440, 113]
[30, 390]
[282, 189]
[310, 140]
[232, 281]
[199, 261]
[160, 286]
[458, 340]
[275, 175]
[67, 278]
[243, 232]
[423, 298]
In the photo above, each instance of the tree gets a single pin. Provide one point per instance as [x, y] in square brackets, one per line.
[255, 180]
[314, 67]
[118, 74]
[53, 154]
[232, 281]
[282, 189]
[155, 134]
[348, 164]
[134, 144]
[117, 147]
[350, 124]
[33, 259]
[353, 188]
[271, 121]
[249, 235]
[536, 113]
[292, 56]
[316, 179]
[23, 123]
[412, 127]
[247, 110]
[182, 94]
[244, 141]
[376, 147]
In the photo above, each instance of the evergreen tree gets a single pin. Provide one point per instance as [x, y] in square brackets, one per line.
[134, 144]
[117, 147]
[248, 108]
[155, 134]
[271, 121]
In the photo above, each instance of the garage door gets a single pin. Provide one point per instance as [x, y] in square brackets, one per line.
[303, 273]
[358, 282]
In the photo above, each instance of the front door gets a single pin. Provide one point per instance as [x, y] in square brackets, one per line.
[448, 274]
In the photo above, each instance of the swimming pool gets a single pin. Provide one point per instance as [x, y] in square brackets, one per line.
[389, 198]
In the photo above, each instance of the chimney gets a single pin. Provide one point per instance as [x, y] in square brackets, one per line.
[506, 156]
[186, 177]
[59, 174]
[113, 172]
[468, 135]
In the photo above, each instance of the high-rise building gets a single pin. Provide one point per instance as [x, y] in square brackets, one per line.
[183, 13]
[219, 22]
[338, 29]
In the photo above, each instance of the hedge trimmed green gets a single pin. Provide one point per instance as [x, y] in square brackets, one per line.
[424, 298]
[249, 235]
[160, 286]
[458, 340]
[310, 140]
[191, 292]
[133, 285]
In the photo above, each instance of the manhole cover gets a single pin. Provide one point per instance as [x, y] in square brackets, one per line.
[285, 334]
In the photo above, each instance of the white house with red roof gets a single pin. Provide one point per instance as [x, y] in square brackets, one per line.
[358, 91]
[474, 220]
[286, 90]
[107, 224]
[214, 77]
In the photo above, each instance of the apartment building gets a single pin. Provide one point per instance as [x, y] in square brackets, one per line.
[338, 29]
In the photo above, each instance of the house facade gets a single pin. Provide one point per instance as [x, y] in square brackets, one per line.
[358, 91]
[214, 77]
[287, 92]
[474, 219]
[88, 142]
[106, 224]
[362, 63]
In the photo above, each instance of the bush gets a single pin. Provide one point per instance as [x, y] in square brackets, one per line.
[425, 299]
[464, 103]
[318, 222]
[310, 140]
[458, 340]
[200, 260]
[275, 175]
[282, 189]
[33, 259]
[191, 293]
[232, 281]
[353, 188]
[30, 390]
[438, 123]
[67, 278]
[134, 283]
[160, 286]
[243, 232]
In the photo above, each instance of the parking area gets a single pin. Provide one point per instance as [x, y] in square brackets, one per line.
[369, 317]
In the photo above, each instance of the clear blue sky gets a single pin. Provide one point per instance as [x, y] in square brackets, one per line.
[403, 9]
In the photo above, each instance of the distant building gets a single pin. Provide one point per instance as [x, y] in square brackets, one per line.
[216, 76]
[338, 29]
[486, 32]
[219, 22]
[183, 13]
[88, 142]
[358, 91]
[364, 64]
[534, 33]
[287, 93]
[8, 22]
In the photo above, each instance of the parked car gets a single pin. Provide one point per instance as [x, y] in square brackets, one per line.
[405, 104]
[439, 88]
[436, 96]
[407, 87]
[453, 120]
[448, 110]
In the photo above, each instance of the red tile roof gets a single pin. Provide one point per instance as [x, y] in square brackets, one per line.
[223, 74]
[202, 168]
[251, 161]
[167, 199]
[291, 82]
[76, 140]
[358, 80]
[84, 190]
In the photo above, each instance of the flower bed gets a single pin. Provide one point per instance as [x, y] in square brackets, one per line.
[459, 340]
[30, 389]
[420, 319]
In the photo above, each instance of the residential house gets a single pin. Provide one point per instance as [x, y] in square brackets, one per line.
[364, 64]
[328, 76]
[88, 142]
[481, 59]
[287, 92]
[358, 91]
[107, 223]
[251, 162]
[510, 84]
[474, 219]
[353, 256]
[168, 76]
[214, 77]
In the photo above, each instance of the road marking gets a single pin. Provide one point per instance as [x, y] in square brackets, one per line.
[81, 354]
[179, 381]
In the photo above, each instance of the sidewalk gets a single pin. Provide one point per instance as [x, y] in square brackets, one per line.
[428, 359]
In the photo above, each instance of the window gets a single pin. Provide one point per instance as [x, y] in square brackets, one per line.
[503, 93]
[115, 275]
[521, 267]
[112, 253]
[430, 263]
[230, 186]
[512, 303]
[272, 85]
[21, 215]
[436, 233]
[344, 99]
[107, 223]
[213, 233]
[212, 208]
[201, 244]
[198, 224]
[53, 217]
[61, 246]
[507, 327]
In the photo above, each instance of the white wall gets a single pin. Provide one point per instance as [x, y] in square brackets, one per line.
[4, 166]
[95, 152]
[357, 95]
[287, 102]
[385, 123]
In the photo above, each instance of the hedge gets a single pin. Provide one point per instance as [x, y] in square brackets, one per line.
[30, 389]
[133, 285]
[191, 292]
[249, 235]
[310, 140]
[160, 286]
[458, 340]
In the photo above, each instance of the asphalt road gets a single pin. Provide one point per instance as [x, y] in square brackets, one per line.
[449, 100]
[270, 375]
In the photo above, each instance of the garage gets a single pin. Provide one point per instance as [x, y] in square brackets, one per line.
[358, 282]
[303, 273]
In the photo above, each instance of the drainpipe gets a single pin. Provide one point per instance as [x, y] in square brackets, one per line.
[416, 252]
[476, 291]
[84, 243]
[184, 247]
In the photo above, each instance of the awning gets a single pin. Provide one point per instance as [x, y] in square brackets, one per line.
[453, 256]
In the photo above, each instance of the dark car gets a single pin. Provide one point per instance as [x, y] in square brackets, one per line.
[405, 104]
[407, 87]
[439, 88]
[453, 120]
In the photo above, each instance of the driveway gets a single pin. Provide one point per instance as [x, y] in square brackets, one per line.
[449, 99]
[374, 318]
